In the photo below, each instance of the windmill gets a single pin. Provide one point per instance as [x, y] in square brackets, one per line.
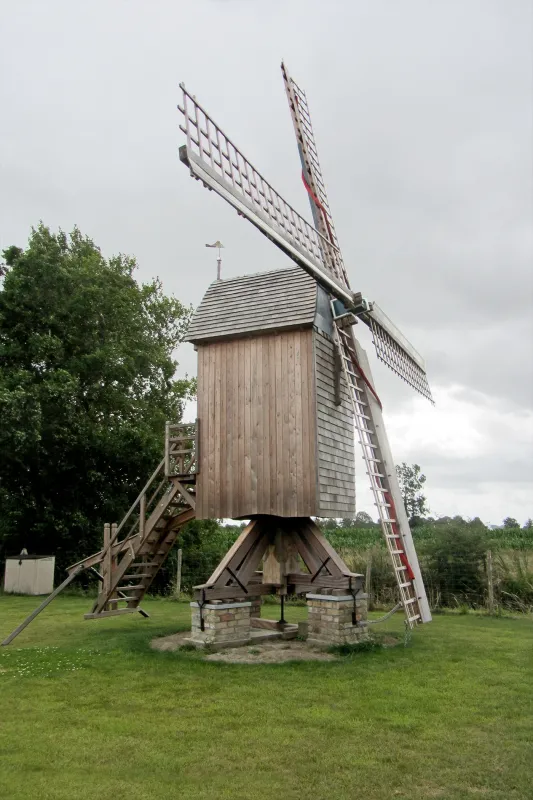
[235, 309]
[283, 384]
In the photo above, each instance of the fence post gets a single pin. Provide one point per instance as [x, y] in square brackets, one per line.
[178, 572]
[368, 576]
[490, 583]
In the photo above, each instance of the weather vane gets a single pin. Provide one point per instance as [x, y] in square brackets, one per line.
[219, 245]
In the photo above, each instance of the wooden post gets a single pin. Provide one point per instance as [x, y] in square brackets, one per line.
[112, 565]
[107, 561]
[368, 576]
[142, 515]
[490, 583]
[167, 449]
[178, 572]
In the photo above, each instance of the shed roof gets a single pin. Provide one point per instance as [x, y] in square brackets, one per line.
[266, 301]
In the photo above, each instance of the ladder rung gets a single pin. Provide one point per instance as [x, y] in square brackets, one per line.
[383, 505]
[411, 600]
[398, 553]
[392, 535]
[404, 585]
[376, 475]
[353, 374]
[414, 619]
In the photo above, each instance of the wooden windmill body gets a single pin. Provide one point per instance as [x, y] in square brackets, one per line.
[276, 429]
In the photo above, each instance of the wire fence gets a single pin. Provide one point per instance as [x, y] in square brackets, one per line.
[454, 579]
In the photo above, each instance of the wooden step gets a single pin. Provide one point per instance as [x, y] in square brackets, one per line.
[114, 613]
[137, 575]
[135, 588]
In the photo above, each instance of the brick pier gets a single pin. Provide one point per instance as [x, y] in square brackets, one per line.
[331, 619]
[223, 623]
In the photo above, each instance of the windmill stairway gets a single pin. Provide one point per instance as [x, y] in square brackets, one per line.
[135, 550]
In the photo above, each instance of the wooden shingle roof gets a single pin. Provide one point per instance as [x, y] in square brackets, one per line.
[267, 301]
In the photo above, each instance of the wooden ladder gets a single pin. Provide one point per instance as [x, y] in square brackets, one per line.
[381, 471]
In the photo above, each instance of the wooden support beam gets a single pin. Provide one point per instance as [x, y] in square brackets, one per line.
[187, 496]
[117, 612]
[237, 552]
[300, 579]
[317, 540]
[227, 592]
[42, 606]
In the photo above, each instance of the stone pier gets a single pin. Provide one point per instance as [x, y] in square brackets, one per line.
[331, 619]
[224, 623]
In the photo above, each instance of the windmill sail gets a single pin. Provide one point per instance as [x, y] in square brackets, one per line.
[213, 159]
[312, 175]
[396, 352]
[391, 345]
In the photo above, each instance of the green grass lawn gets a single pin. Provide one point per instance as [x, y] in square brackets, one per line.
[89, 710]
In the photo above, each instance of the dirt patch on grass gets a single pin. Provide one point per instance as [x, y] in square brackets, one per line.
[271, 653]
[170, 643]
[265, 653]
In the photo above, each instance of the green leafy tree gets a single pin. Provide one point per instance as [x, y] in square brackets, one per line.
[510, 523]
[363, 519]
[86, 384]
[411, 482]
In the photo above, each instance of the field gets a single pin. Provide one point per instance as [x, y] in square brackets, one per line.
[88, 709]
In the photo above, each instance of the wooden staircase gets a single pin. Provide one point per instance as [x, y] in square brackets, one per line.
[135, 550]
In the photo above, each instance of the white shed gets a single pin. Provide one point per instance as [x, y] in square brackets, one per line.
[29, 574]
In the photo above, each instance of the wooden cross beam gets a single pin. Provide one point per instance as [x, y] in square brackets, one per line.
[282, 543]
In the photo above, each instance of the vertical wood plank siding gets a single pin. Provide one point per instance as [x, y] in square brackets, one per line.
[335, 436]
[256, 405]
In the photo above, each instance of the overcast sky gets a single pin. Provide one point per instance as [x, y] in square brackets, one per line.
[423, 115]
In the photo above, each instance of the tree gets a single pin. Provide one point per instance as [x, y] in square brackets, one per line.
[86, 384]
[411, 481]
[510, 522]
[362, 518]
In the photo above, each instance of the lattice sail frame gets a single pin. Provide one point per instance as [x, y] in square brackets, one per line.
[215, 160]
[312, 174]
[391, 345]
